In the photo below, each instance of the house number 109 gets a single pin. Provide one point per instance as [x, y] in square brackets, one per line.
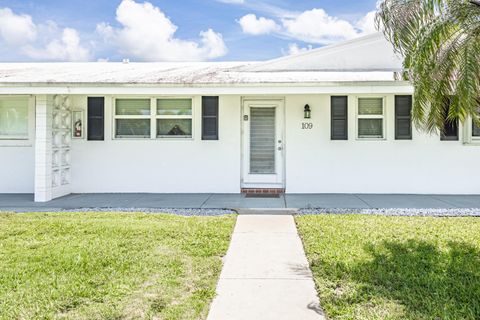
[307, 126]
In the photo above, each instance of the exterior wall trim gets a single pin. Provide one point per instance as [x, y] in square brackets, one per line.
[251, 90]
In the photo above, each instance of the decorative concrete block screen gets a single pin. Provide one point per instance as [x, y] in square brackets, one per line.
[61, 141]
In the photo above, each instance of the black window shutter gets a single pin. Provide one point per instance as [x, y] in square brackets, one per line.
[450, 128]
[96, 119]
[210, 118]
[403, 117]
[339, 118]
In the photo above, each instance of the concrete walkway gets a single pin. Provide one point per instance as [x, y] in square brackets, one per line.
[24, 202]
[265, 274]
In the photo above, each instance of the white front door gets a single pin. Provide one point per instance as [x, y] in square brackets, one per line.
[263, 144]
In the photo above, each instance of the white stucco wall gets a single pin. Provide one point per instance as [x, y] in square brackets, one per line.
[315, 164]
[17, 169]
[162, 165]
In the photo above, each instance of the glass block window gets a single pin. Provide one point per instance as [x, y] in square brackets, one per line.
[371, 118]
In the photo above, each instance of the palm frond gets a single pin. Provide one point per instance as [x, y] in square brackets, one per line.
[440, 43]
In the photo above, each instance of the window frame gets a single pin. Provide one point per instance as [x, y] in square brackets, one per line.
[27, 140]
[474, 138]
[469, 138]
[153, 117]
[383, 117]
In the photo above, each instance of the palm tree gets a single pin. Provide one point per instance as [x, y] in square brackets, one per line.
[440, 41]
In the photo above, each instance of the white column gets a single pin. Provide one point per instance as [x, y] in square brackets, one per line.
[43, 148]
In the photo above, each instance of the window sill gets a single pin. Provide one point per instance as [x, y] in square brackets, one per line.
[174, 138]
[155, 139]
[16, 143]
[371, 139]
[472, 144]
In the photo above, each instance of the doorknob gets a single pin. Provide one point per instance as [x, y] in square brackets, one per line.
[279, 148]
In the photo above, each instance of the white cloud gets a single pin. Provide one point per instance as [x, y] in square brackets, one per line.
[311, 26]
[256, 26]
[40, 41]
[16, 29]
[146, 33]
[367, 23]
[294, 48]
[105, 31]
[316, 26]
[67, 48]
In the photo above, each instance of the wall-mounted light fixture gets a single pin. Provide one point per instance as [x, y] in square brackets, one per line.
[307, 113]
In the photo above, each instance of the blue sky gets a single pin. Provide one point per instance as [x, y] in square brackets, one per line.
[181, 30]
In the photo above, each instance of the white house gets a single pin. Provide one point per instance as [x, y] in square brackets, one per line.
[332, 120]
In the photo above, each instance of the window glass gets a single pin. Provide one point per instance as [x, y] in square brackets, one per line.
[174, 127]
[370, 128]
[14, 118]
[475, 130]
[370, 106]
[174, 107]
[450, 128]
[132, 128]
[132, 107]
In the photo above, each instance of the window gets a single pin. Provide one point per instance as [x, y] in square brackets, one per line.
[403, 117]
[132, 118]
[371, 118]
[339, 118]
[475, 131]
[476, 128]
[174, 118]
[14, 118]
[169, 118]
[450, 131]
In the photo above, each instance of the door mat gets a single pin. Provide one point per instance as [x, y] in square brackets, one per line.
[262, 195]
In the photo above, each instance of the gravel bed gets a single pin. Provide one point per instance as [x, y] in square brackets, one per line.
[179, 212]
[408, 212]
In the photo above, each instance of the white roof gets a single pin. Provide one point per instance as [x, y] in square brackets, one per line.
[365, 59]
[369, 53]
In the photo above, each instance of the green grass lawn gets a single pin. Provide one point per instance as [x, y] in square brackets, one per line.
[109, 265]
[373, 267]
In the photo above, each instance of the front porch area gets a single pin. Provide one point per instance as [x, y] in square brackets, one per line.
[334, 202]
